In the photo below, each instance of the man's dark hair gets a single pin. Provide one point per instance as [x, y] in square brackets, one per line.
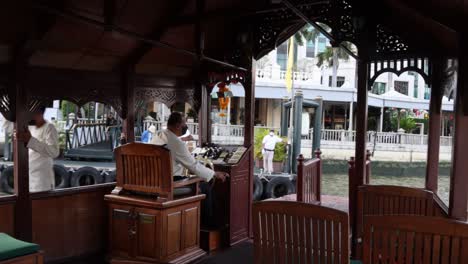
[175, 118]
[272, 130]
[41, 109]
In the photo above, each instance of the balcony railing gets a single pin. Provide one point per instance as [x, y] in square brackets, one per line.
[234, 134]
[272, 74]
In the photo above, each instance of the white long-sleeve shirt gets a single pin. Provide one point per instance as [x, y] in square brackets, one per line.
[180, 155]
[43, 148]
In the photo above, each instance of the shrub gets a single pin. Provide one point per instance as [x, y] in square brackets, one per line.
[280, 148]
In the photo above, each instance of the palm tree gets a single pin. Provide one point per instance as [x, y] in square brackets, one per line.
[307, 33]
[331, 56]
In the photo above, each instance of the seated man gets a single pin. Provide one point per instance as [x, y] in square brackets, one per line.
[181, 158]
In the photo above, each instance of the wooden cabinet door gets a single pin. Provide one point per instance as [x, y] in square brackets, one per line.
[120, 225]
[148, 238]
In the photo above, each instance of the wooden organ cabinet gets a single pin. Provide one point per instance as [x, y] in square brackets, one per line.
[152, 219]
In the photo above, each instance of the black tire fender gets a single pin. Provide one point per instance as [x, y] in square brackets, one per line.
[110, 176]
[258, 188]
[86, 176]
[7, 180]
[278, 186]
[62, 176]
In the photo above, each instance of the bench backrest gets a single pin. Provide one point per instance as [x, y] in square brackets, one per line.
[294, 232]
[144, 168]
[308, 182]
[414, 239]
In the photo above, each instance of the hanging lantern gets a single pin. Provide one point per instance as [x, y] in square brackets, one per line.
[224, 94]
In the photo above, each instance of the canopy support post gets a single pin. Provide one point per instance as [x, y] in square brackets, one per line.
[128, 103]
[23, 207]
[361, 137]
[458, 180]
[435, 105]
[249, 87]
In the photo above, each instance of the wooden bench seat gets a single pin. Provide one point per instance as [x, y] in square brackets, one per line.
[13, 251]
[414, 239]
[296, 232]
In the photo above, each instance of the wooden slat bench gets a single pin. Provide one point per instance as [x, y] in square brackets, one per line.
[415, 239]
[294, 232]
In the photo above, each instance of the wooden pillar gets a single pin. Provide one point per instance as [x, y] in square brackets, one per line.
[432, 167]
[203, 116]
[128, 103]
[249, 87]
[23, 207]
[458, 177]
[361, 135]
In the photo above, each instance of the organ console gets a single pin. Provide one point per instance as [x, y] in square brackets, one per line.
[232, 198]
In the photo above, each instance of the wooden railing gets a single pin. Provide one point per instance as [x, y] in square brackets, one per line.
[414, 239]
[293, 232]
[309, 174]
[394, 200]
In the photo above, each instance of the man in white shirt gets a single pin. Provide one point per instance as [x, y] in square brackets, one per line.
[42, 140]
[268, 151]
[181, 158]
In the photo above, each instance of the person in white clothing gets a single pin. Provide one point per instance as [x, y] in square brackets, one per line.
[268, 150]
[42, 140]
[181, 157]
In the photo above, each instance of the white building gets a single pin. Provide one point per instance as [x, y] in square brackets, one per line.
[407, 91]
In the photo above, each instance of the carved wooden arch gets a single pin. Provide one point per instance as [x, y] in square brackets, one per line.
[167, 96]
[6, 103]
[114, 101]
[421, 65]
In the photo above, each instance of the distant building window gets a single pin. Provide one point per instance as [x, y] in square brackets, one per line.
[339, 81]
[282, 55]
[379, 88]
[416, 80]
[401, 87]
[322, 44]
[310, 49]
[427, 92]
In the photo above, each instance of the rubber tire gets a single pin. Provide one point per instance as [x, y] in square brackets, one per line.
[258, 188]
[5, 177]
[62, 177]
[272, 186]
[89, 172]
[110, 176]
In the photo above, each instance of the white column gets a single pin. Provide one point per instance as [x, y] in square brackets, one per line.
[228, 121]
[351, 115]
[381, 119]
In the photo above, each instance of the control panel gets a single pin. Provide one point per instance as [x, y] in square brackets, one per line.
[219, 154]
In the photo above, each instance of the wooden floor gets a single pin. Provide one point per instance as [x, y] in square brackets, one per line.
[240, 253]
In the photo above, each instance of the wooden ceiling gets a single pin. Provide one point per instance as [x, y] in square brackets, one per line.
[56, 34]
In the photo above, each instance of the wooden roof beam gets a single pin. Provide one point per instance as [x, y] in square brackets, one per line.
[109, 13]
[139, 52]
[229, 14]
[127, 33]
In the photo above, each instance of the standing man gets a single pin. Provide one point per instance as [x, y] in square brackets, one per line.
[42, 140]
[181, 158]
[268, 151]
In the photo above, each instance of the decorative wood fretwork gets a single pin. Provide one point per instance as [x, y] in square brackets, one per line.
[168, 96]
[6, 103]
[421, 65]
[388, 42]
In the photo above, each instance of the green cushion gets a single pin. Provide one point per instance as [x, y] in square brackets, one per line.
[12, 248]
[355, 262]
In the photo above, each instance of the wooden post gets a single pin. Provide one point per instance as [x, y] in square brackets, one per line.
[23, 207]
[368, 167]
[458, 179]
[203, 116]
[300, 178]
[352, 188]
[435, 106]
[249, 107]
[318, 153]
[128, 103]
